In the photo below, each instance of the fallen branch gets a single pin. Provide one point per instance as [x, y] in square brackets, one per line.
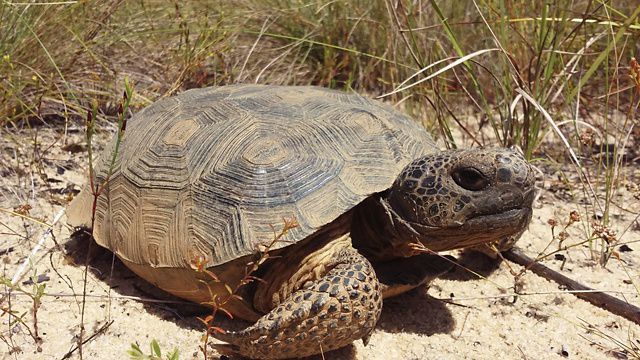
[102, 329]
[597, 298]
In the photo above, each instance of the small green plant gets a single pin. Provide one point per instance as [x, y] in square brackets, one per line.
[155, 353]
[217, 303]
[98, 185]
[35, 293]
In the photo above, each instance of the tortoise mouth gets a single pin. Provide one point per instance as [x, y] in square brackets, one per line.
[490, 221]
[480, 229]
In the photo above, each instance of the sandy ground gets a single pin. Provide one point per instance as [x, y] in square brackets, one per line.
[458, 316]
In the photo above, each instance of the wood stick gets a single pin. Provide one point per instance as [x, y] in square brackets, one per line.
[102, 329]
[600, 299]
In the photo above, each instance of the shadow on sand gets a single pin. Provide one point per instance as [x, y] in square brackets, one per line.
[470, 263]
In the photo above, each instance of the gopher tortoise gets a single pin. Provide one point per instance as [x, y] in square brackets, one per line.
[209, 173]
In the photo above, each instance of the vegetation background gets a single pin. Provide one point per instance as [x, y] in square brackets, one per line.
[557, 78]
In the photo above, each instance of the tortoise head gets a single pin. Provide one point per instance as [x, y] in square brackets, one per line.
[462, 198]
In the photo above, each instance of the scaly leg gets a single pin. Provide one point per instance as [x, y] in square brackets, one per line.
[333, 311]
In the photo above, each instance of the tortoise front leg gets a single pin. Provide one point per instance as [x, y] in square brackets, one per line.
[333, 311]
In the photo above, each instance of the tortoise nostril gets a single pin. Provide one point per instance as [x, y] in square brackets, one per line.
[470, 178]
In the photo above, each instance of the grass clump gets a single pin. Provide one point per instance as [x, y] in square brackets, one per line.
[57, 58]
[561, 56]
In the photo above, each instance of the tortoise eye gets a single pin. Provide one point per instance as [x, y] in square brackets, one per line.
[470, 179]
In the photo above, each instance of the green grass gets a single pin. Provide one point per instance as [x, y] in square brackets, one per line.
[61, 57]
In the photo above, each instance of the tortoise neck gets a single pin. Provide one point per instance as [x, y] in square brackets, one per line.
[379, 233]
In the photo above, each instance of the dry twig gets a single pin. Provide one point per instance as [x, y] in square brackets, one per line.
[600, 299]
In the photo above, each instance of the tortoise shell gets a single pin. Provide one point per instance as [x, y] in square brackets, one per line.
[208, 173]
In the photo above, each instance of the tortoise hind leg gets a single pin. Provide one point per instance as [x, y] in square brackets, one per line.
[333, 311]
